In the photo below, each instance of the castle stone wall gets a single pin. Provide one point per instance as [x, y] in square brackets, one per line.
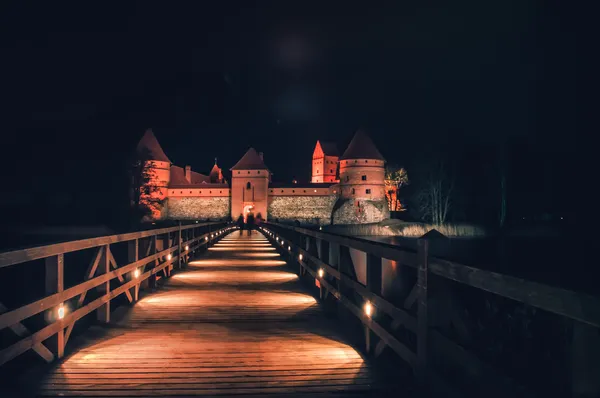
[305, 209]
[199, 208]
[348, 211]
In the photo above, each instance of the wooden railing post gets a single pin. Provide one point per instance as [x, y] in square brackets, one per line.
[422, 323]
[103, 313]
[152, 278]
[133, 253]
[55, 284]
[180, 247]
[374, 284]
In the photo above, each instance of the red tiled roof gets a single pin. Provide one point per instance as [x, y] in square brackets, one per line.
[361, 147]
[178, 177]
[250, 161]
[150, 144]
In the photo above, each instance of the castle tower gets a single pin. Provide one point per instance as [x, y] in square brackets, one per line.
[362, 183]
[324, 162]
[156, 172]
[216, 174]
[249, 185]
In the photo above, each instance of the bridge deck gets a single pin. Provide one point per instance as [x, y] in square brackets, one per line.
[237, 322]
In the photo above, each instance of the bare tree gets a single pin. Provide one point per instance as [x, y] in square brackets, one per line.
[435, 196]
[395, 177]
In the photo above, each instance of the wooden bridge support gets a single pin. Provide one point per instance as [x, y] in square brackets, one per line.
[55, 284]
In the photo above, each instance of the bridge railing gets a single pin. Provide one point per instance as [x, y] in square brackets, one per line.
[335, 261]
[45, 324]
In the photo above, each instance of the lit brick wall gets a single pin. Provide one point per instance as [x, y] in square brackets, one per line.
[305, 209]
[198, 208]
[350, 211]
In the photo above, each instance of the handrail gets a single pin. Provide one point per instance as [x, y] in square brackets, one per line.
[577, 306]
[102, 269]
[35, 253]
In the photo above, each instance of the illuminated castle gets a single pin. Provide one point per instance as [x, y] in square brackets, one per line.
[343, 190]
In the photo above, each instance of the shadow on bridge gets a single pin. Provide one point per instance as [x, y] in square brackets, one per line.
[237, 322]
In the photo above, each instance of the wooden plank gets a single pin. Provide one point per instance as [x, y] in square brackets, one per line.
[35, 253]
[578, 306]
[103, 313]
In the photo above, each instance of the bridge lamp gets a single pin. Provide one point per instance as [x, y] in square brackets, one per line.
[168, 257]
[206, 238]
[289, 248]
[320, 228]
[368, 309]
[281, 242]
[300, 256]
[211, 235]
[321, 272]
[136, 273]
[187, 248]
[61, 311]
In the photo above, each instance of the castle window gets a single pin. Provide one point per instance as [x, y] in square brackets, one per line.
[248, 185]
[305, 191]
[220, 191]
[201, 192]
[368, 191]
[317, 171]
[190, 191]
[258, 172]
[282, 191]
[366, 161]
[248, 171]
[347, 178]
[330, 171]
[293, 191]
[172, 191]
[364, 178]
[356, 161]
[353, 191]
[239, 172]
[271, 191]
[209, 191]
[180, 191]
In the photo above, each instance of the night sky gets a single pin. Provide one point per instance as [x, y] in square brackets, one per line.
[81, 83]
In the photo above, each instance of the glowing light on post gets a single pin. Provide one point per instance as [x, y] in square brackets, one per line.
[136, 273]
[289, 248]
[187, 248]
[281, 242]
[206, 238]
[320, 228]
[211, 235]
[368, 309]
[61, 311]
[168, 257]
[300, 256]
[321, 272]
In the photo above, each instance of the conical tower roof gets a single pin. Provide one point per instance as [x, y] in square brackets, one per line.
[150, 144]
[250, 161]
[361, 147]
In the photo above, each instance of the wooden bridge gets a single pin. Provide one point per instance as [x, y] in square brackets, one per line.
[203, 310]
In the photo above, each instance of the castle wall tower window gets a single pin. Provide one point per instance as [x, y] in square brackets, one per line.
[364, 178]
[368, 191]
[353, 191]
[248, 185]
